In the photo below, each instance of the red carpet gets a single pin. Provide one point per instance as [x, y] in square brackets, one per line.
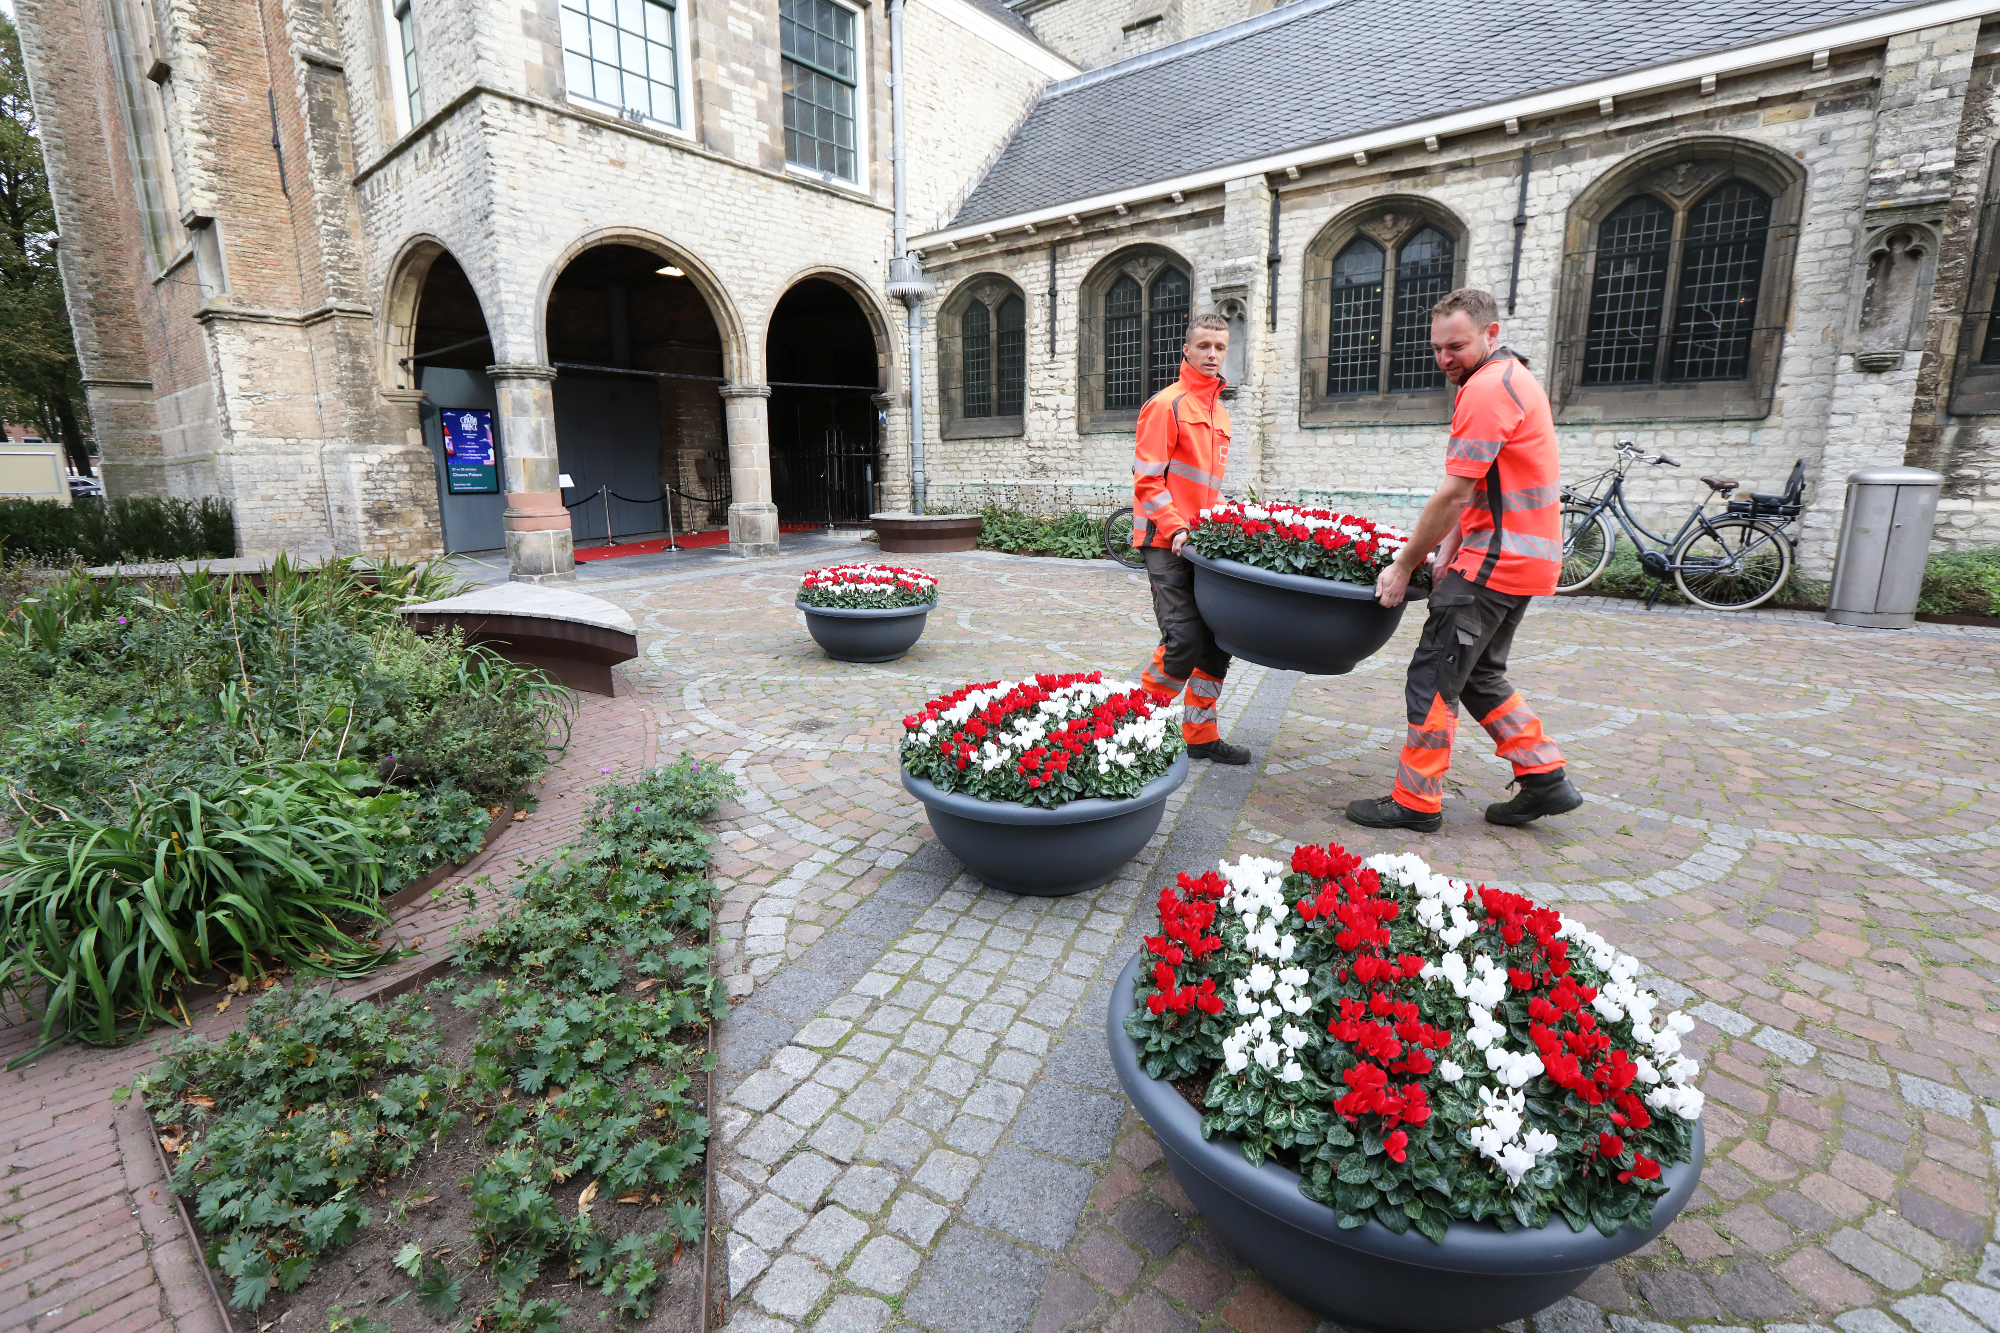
[687, 541]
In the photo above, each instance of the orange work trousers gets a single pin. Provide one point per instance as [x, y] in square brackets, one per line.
[1462, 657]
[1187, 665]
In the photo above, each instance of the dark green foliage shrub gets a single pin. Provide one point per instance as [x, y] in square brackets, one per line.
[1962, 583]
[101, 532]
[1074, 535]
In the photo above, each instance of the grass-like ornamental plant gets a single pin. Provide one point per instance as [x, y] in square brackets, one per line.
[1421, 1051]
[1290, 539]
[1043, 741]
[100, 920]
[867, 587]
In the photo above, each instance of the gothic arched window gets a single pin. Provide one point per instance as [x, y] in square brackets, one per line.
[983, 358]
[1677, 284]
[1373, 276]
[1136, 307]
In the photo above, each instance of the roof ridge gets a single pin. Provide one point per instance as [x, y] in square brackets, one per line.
[1187, 46]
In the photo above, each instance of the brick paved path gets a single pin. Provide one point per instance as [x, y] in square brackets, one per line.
[88, 1239]
[1794, 825]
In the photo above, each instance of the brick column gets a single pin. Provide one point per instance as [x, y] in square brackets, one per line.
[753, 519]
[538, 537]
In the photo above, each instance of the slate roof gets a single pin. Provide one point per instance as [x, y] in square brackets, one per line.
[1320, 70]
[999, 10]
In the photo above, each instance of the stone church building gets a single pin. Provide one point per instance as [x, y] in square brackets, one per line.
[319, 251]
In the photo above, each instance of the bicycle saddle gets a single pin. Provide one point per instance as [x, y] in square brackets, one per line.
[1723, 484]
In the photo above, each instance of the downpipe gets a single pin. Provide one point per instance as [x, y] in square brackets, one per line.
[906, 273]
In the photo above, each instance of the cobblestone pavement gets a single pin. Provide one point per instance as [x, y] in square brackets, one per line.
[1794, 825]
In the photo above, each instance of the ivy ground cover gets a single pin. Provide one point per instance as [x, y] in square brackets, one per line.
[518, 1147]
[1420, 1050]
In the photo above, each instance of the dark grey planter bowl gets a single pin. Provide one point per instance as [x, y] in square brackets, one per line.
[1290, 621]
[866, 634]
[1046, 853]
[1370, 1277]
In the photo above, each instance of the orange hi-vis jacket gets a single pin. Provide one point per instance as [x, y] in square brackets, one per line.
[1503, 436]
[1182, 453]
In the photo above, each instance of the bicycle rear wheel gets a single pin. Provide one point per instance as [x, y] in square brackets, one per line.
[1733, 564]
[1587, 545]
[1118, 539]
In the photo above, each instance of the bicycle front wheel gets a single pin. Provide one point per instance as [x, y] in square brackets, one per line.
[1733, 564]
[1118, 539]
[1587, 545]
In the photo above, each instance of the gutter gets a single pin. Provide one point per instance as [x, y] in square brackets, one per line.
[1741, 60]
[906, 271]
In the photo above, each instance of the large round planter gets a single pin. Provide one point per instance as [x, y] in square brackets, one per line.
[865, 634]
[1046, 853]
[914, 534]
[1291, 621]
[1370, 1277]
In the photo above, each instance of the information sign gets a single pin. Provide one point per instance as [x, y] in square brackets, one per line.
[469, 467]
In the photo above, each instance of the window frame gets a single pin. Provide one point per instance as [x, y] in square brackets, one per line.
[1680, 176]
[683, 72]
[405, 102]
[1143, 264]
[862, 103]
[1390, 223]
[1975, 388]
[990, 290]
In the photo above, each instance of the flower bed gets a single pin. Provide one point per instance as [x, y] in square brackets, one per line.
[867, 587]
[1288, 539]
[1045, 741]
[1421, 1051]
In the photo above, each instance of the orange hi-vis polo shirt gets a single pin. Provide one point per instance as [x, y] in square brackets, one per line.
[1503, 436]
[1180, 456]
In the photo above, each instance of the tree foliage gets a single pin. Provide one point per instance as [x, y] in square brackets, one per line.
[41, 383]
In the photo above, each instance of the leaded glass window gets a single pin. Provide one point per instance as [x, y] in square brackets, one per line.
[1628, 293]
[622, 53]
[1166, 323]
[1124, 345]
[413, 78]
[1010, 358]
[820, 48]
[975, 360]
[1354, 324]
[1722, 267]
[1423, 276]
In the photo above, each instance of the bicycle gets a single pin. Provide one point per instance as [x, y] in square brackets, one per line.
[1728, 562]
[1118, 539]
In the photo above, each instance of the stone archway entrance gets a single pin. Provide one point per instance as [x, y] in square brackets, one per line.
[824, 363]
[444, 370]
[638, 417]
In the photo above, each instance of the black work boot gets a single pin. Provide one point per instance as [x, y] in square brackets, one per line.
[1539, 794]
[1391, 813]
[1221, 751]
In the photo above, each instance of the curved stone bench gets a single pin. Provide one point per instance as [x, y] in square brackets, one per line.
[575, 638]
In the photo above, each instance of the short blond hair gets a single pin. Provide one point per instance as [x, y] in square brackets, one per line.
[1211, 320]
[1478, 305]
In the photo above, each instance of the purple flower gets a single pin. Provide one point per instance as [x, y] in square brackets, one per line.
[604, 770]
[121, 620]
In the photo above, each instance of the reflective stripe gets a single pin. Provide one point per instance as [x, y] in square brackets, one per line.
[1514, 502]
[1197, 714]
[1203, 688]
[1195, 474]
[1509, 720]
[1434, 739]
[1542, 754]
[1148, 469]
[1153, 504]
[1463, 450]
[1517, 543]
[1419, 784]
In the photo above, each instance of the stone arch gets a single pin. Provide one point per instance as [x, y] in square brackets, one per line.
[879, 324]
[1392, 227]
[738, 365]
[1143, 264]
[402, 297]
[1679, 175]
[826, 369]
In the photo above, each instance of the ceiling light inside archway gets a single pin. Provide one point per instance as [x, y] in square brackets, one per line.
[669, 271]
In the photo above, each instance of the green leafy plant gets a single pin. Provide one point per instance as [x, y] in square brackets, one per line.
[101, 920]
[106, 532]
[1962, 583]
[1073, 535]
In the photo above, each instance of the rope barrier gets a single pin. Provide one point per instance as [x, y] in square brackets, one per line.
[606, 490]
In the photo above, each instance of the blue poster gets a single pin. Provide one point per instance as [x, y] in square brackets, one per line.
[469, 467]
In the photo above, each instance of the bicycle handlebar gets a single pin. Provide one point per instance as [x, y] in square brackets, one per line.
[1664, 459]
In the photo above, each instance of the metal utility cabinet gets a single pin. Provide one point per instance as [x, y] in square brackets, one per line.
[1885, 537]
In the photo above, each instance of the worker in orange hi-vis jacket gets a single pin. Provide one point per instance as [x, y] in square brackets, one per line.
[1177, 470]
[1496, 527]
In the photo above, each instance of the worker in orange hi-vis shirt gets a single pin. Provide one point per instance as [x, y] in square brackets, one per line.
[1496, 527]
[1177, 467]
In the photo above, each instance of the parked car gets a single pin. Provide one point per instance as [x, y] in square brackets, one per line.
[86, 488]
